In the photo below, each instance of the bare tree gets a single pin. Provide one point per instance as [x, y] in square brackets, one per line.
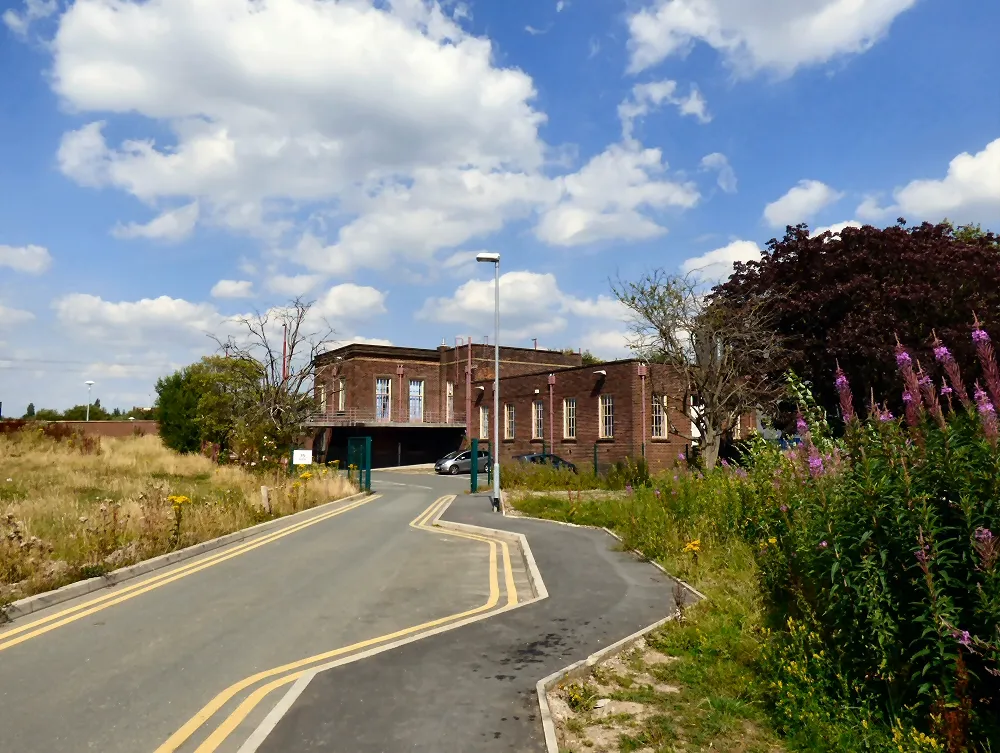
[279, 349]
[724, 356]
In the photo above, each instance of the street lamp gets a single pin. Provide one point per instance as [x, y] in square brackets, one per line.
[494, 259]
[89, 384]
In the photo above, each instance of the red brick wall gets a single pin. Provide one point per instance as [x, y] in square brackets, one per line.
[360, 374]
[113, 428]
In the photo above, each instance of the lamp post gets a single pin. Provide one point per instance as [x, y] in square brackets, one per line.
[494, 259]
[89, 384]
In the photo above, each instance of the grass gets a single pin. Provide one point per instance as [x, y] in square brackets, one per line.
[69, 512]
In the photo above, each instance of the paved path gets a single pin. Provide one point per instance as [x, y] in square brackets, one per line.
[473, 688]
[123, 677]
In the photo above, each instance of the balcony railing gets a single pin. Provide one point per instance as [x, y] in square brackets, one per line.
[356, 417]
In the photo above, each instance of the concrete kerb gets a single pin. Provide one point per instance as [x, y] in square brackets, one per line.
[581, 669]
[41, 601]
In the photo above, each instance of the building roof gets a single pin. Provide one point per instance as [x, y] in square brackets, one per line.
[362, 350]
[561, 370]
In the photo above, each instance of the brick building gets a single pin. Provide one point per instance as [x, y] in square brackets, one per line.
[419, 404]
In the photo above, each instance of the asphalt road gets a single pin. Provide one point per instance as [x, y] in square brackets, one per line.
[472, 689]
[126, 677]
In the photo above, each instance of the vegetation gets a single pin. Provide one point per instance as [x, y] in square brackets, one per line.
[97, 413]
[853, 583]
[846, 297]
[72, 506]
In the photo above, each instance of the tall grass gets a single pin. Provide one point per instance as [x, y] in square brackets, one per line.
[71, 510]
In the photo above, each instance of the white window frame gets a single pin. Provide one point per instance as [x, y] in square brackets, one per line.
[569, 418]
[417, 415]
[322, 398]
[383, 399]
[538, 419]
[509, 421]
[738, 429]
[606, 416]
[484, 422]
[658, 430]
[341, 394]
[449, 402]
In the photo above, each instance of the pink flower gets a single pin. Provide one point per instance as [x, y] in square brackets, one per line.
[823, 545]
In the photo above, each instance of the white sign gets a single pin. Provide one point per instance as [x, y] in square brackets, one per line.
[302, 457]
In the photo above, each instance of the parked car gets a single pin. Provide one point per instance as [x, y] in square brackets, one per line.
[546, 459]
[460, 461]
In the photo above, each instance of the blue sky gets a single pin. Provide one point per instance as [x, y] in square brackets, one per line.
[167, 165]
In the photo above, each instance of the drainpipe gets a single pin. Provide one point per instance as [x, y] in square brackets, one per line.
[643, 370]
[552, 436]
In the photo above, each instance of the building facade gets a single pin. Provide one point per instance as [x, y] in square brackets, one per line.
[419, 404]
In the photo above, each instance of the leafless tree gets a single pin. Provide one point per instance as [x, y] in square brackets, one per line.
[723, 356]
[278, 349]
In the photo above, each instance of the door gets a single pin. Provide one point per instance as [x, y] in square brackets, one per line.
[484, 461]
[464, 462]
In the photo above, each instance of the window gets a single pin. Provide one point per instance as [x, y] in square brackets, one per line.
[322, 399]
[449, 402]
[607, 417]
[537, 420]
[416, 400]
[383, 399]
[341, 394]
[659, 417]
[569, 418]
[508, 416]
[738, 430]
[484, 422]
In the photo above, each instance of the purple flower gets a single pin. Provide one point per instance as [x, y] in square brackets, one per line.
[628, 488]
[823, 545]
[980, 336]
[885, 415]
[723, 463]
[983, 401]
[783, 508]
[675, 477]
[946, 390]
[801, 426]
[841, 382]
[962, 637]
[921, 554]
[741, 473]
[942, 354]
[907, 397]
[815, 465]
[903, 359]
[657, 492]
[984, 535]
[681, 456]
[925, 381]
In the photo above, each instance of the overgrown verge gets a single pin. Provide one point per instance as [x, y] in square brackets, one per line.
[73, 507]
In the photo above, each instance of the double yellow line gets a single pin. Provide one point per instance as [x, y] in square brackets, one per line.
[289, 673]
[26, 632]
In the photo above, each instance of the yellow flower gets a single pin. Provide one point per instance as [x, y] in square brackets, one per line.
[305, 476]
[693, 546]
[772, 540]
[178, 499]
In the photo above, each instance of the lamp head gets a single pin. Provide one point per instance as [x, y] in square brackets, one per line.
[488, 257]
[89, 382]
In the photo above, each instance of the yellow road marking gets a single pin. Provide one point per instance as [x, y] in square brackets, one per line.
[92, 606]
[300, 667]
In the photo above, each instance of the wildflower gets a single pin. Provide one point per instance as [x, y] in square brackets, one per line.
[10, 479]
[783, 508]
[885, 415]
[922, 554]
[823, 545]
[801, 426]
[984, 535]
[815, 465]
[628, 488]
[946, 390]
[907, 397]
[657, 492]
[844, 391]
[980, 336]
[681, 456]
[962, 637]
[942, 354]
[903, 359]
[987, 414]
[305, 476]
[693, 546]
[772, 540]
[741, 473]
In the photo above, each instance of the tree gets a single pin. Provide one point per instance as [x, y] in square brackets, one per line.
[47, 414]
[79, 413]
[30, 412]
[177, 404]
[845, 298]
[588, 358]
[720, 352]
[275, 380]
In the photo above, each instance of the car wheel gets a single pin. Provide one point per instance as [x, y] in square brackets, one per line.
[453, 470]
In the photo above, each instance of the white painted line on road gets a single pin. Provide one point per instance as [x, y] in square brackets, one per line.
[274, 715]
[408, 486]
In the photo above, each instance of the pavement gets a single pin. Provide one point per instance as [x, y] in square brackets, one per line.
[473, 688]
[222, 652]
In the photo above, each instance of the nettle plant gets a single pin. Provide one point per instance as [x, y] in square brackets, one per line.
[887, 544]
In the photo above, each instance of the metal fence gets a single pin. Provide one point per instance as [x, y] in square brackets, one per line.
[356, 417]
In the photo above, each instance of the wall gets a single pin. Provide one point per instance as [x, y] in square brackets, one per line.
[113, 428]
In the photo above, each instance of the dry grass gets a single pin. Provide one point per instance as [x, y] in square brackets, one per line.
[66, 514]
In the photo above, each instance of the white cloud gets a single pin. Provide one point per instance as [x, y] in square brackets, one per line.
[647, 98]
[232, 289]
[349, 302]
[726, 175]
[11, 317]
[969, 192]
[602, 200]
[293, 286]
[607, 344]
[30, 259]
[801, 203]
[531, 305]
[757, 35]
[34, 10]
[835, 228]
[172, 225]
[561, 5]
[535, 32]
[871, 209]
[717, 265]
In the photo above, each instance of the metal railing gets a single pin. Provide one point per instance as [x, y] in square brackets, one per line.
[358, 417]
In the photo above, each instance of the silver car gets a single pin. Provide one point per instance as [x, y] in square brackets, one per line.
[460, 461]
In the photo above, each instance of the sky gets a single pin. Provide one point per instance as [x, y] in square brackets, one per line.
[169, 166]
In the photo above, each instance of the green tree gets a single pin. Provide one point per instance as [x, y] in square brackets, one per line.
[30, 412]
[177, 400]
[47, 414]
[79, 413]
[223, 402]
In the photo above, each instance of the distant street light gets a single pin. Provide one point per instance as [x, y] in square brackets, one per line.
[494, 259]
[89, 384]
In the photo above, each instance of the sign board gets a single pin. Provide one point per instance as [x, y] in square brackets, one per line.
[302, 457]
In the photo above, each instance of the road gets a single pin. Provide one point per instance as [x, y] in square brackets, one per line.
[196, 657]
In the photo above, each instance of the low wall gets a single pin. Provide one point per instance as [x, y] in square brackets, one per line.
[112, 428]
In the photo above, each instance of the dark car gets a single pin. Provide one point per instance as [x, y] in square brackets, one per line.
[460, 461]
[546, 459]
